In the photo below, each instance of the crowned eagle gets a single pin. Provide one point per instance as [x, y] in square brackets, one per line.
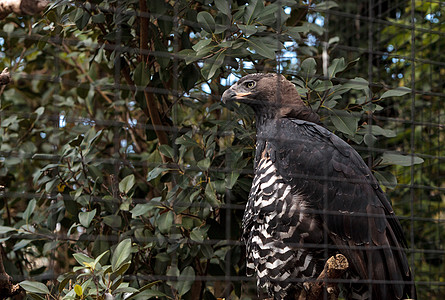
[312, 197]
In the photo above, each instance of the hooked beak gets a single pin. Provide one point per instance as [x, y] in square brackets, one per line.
[230, 95]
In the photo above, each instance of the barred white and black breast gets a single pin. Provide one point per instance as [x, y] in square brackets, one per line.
[276, 226]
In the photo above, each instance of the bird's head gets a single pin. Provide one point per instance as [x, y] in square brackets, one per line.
[269, 94]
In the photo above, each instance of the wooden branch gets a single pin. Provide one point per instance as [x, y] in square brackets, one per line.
[21, 7]
[334, 268]
[153, 111]
[7, 289]
[5, 77]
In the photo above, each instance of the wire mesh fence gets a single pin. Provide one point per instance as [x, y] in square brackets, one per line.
[123, 173]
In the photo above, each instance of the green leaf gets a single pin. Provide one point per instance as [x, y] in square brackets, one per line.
[166, 150]
[333, 40]
[326, 5]
[140, 209]
[206, 21]
[189, 55]
[127, 183]
[201, 44]
[82, 259]
[308, 68]
[198, 234]
[185, 280]
[141, 75]
[223, 6]
[204, 164]
[386, 178]
[357, 83]
[34, 287]
[247, 29]
[78, 290]
[96, 261]
[121, 254]
[231, 179]
[389, 158]
[186, 141]
[95, 173]
[100, 18]
[345, 122]
[337, 65]
[321, 86]
[86, 217]
[212, 65]
[148, 294]
[377, 130]
[259, 47]
[82, 18]
[369, 139]
[210, 194]
[122, 269]
[113, 221]
[165, 221]
[294, 32]
[252, 10]
[396, 92]
[314, 27]
[39, 111]
[29, 210]
[5, 229]
[182, 202]
[155, 173]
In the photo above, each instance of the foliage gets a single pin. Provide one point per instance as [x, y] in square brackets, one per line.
[118, 156]
[424, 74]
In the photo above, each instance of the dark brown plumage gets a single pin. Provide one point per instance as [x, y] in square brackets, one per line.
[313, 196]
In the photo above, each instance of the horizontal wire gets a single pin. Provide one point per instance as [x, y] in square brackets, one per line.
[230, 206]
[364, 246]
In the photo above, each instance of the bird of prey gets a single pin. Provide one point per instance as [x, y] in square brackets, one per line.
[312, 197]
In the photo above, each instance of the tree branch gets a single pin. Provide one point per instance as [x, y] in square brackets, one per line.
[5, 77]
[149, 97]
[21, 7]
[7, 289]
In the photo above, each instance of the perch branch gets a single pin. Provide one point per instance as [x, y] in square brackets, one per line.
[334, 268]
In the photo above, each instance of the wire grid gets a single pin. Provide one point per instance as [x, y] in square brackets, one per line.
[378, 53]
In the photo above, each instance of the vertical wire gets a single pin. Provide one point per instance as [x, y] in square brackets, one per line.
[327, 213]
[117, 86]
[429, 144]
[370, 79]
[57, 80]
[175, 75]
[413, 96]
[228, 216]
[228, 221]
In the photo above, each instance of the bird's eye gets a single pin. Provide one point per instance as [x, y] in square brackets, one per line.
[250, 84]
